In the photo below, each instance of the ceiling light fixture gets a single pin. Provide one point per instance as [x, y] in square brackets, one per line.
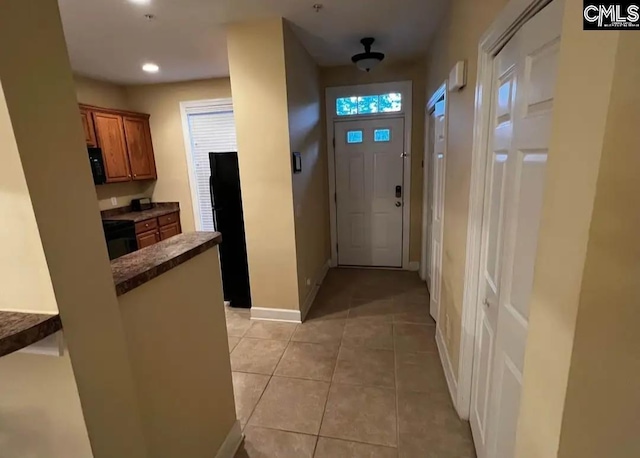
[140, 2]
[367, 60]
[150, 68]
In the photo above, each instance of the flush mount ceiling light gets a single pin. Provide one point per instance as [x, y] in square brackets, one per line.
[141, 2]
[367, 60]
[150, 68]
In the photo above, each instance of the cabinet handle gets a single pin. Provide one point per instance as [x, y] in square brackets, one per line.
[135, 175]
[146, 225]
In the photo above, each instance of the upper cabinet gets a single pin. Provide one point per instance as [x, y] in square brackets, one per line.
[89, 129]
[138, 135]
[125, 140]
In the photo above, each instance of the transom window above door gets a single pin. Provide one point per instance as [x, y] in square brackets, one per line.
[369, 104]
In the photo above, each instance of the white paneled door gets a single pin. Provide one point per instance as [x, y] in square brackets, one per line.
[437, 206]
[370, 157]
[523, 96]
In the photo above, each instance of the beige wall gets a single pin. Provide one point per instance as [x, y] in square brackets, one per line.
[457, 39]
[40, 412]
[177, 340]
[62, 194]
[388, 72]
[258, 83]
[310, 188]
[162, 102]
[24, 277]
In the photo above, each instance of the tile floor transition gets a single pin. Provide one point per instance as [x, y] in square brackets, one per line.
[360, 378]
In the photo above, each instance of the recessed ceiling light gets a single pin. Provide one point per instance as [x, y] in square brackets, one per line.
[150, 68]
[141, 2]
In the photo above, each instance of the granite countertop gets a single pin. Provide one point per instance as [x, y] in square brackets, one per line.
[125, 213]
[19, 329]
[139, 267]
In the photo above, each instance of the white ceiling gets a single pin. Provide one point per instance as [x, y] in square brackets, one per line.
[111, 39]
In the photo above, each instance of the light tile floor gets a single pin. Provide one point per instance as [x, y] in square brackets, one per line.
[361, 377]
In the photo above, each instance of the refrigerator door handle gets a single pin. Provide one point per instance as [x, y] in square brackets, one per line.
[213, 204]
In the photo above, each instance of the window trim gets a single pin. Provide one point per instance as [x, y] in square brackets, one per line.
[198, 107]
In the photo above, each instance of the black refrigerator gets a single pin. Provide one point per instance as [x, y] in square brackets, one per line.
[228, 219]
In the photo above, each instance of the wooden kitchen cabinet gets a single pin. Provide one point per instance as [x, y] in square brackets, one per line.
[141, 158]
[151, 231]
[146, 239]
[88, 127]
[169, 231]
[111, 139]
[125, 140]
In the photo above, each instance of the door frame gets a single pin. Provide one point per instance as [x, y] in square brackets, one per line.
[427, 191]
[504, 27]
[194, 107]
[333, 93]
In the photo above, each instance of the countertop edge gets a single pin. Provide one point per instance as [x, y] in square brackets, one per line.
[132, 282]
[30, 335]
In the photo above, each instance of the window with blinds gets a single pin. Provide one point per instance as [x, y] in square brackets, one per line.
[212, 129]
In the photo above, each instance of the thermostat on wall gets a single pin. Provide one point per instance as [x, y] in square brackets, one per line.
[457, 76]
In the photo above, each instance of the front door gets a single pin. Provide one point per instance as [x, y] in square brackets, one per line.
[369, 191]
[523, 96]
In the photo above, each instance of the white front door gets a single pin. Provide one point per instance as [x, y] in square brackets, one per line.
[437, 206]
[369, 191]
[523, 95]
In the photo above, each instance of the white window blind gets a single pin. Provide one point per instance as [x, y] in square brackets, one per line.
[212, 129]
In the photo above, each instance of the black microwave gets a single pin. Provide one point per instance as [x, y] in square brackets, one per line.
[97, 166]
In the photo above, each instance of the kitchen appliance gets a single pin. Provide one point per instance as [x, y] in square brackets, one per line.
[144, 203]
[97, 165]
[228, 219]
[120, 237]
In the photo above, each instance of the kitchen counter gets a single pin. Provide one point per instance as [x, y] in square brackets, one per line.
[125, 213]
[139, 267]
[19, 329]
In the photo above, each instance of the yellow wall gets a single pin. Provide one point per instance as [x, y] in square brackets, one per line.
[40, 412]
[57, 173]
[258, 83]
[180, 359]
[457, 39]
[388, 72]
[310, 188]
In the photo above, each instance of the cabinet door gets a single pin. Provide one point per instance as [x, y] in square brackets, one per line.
[110, 134]
[169, 230]
[140, 148]
[146, 239]
[89, 129]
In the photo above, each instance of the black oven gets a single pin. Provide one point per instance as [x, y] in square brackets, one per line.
[120, 236]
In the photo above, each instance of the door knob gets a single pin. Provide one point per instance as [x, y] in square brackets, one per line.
[486, 302]
[398, 204]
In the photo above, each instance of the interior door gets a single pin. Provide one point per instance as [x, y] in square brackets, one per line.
[437, 206]
[369, 190]
[525, 72]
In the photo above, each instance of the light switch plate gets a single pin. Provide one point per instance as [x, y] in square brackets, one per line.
[114, 201]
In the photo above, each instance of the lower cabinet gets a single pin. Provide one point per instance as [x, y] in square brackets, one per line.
[151, 231]
[146, 239]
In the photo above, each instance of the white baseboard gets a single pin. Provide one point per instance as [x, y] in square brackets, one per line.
[266, 314]
[414, 266]
[448, 368]
[314, 291]
[287, 315]
[232, 442]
